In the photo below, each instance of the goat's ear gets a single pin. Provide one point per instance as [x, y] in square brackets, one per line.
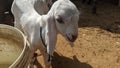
[50, 35]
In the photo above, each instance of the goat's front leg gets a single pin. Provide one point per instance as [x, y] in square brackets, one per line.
[47, 59]
[32, 59]
[31, 63]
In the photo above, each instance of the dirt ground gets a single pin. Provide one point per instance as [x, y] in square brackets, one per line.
[98, 43]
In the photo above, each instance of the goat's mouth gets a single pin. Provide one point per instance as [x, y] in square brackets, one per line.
[71, 39]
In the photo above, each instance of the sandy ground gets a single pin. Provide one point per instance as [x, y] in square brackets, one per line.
[98, 42]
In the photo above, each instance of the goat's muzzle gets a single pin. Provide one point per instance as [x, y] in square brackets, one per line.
[74, 37]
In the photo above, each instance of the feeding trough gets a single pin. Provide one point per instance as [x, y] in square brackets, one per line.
[12, 47]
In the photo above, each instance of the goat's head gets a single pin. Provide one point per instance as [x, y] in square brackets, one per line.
[63, 18]
[66, 17]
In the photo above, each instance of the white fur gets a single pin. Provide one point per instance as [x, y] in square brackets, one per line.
[29, 21]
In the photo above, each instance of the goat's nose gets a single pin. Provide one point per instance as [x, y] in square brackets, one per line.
[74, 37]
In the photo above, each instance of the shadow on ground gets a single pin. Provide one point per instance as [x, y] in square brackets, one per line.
[65, 62]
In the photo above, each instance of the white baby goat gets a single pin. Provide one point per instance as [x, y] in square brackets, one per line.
[42, 30]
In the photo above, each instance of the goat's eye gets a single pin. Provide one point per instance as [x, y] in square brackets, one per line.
[60, 21]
